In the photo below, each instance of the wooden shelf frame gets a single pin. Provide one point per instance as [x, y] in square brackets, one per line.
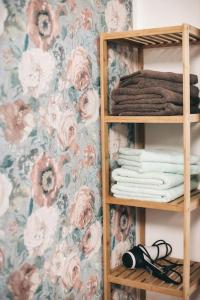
[184, 36]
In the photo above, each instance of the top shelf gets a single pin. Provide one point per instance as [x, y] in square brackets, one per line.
[155, 37]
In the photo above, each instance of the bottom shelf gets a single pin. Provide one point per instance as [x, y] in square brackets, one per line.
[141, 279]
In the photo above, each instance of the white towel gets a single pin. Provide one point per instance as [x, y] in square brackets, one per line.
[142, 155]
[157, 167]
[139, 193]
[156, 180]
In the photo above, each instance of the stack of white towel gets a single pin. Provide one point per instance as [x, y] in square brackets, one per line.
[154, 175]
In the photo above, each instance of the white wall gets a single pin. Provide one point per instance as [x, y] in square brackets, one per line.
[157, 13]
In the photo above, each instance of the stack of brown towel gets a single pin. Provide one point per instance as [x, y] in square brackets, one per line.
[149, 92]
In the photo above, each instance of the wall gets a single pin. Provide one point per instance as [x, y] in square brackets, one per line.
[157, 13]
[50, 199]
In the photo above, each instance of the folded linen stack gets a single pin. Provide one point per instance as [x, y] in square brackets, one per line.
[148, 92]
[154, 175]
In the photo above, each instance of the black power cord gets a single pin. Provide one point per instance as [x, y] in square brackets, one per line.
[158, 270]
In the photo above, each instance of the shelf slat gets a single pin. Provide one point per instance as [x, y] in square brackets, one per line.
[194, 118]
[176, 205]
[155, 37]
[141, 279]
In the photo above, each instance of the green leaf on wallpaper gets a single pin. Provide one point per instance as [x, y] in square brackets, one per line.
[21, 220]
[33, 133]
[64, 32]
[67, 179]
[20, 247]
[30, 207]
[39, 289]
[14, 80]
[26, 42]
[7, 162]
[39, 261]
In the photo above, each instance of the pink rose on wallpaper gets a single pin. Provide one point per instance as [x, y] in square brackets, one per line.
[88, 106]
[43, 24]
[118, 137]
[78, 69]
[71, 272]
[1, 259]
[86, 16]
[24, 282]
[92, 286]
[89, 156]
[82, 211]
[91, 241]
[121, 222]
[19, 121]
[40, 230]
[47, 178]
[116, 16]
[67, 131]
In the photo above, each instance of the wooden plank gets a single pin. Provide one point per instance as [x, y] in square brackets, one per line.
[142, 32]
[194, 30]
[186, 146]
[144, 119]
[105, 165]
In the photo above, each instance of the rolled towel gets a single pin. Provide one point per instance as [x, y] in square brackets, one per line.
[138, 193]
[170, 76]
[156, 155]
[155, 180]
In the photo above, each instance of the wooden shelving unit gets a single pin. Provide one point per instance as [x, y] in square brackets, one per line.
[183, 36]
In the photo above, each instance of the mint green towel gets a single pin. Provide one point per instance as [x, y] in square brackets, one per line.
[157, 167]
[141, 193]
[142, 155]
[156, 180]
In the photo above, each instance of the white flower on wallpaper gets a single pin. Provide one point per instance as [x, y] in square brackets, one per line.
[36, 71]
[40, 230]
[64, 265]
[118, 251]
[71, 271]
[91, 241]
[118, 137]
[116, 16]
[59, 118]
[88, 106]
[19, 121]
[78, 69]
[5, 191]
[3, 16]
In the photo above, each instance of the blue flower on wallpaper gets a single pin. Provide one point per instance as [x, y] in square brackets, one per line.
[50, 160]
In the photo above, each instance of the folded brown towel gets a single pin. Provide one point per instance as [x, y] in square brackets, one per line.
[170, 76]
[166, 109]
[125, 94]
[142, 82]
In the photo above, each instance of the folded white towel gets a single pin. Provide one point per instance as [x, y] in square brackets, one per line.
[142, 155]
[157, 167]
[156, 180]
[138, 193]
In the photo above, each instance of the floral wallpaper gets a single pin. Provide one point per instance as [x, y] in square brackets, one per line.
[50, 162]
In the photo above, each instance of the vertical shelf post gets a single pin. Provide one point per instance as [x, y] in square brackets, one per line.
[140, 143]
[105, 166]
[186, 146]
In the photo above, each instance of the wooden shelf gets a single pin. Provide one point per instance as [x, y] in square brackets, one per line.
[176, 205]
[155, 37]
[141, 279]
[194, 118]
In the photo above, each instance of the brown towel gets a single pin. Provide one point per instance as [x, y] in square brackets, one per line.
[170, 76]
[166, 109]
[163, 95]
[142, 82]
